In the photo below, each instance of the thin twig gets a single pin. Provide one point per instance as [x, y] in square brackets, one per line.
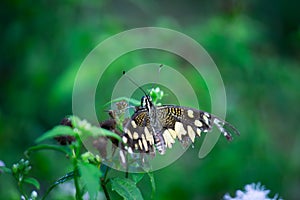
[104, 182]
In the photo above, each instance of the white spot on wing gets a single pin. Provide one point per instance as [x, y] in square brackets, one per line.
[144, 142]
[207, 114]
[130, 150]
[135, 135]
[168, 139]
[179, 129]
[133, 124]
[149, 137]
[198, 123]
[140, 144]
[191, 133]
[205, 119]
[173, 133]
[190, 113]
[129, 134]
[124, 139]
[198, 131]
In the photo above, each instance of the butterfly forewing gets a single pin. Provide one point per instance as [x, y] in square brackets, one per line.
[183, 123]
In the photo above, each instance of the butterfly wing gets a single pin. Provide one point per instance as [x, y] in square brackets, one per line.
[138, 135]
[186, 124]
[182, 123]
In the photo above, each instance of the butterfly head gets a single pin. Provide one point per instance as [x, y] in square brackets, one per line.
[146, 102]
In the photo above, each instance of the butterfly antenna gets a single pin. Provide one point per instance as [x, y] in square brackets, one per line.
[132, 81]
[159, 69]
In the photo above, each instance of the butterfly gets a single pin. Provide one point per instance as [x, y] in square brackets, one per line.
[154, 127]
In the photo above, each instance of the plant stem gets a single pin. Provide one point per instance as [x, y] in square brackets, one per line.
[105, 190]
[22, 190]
[77, 186]
[76, 151]
[104, 182]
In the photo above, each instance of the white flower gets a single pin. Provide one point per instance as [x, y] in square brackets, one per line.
[2, 163]
[68, 189]
[252, 191]
[34, 194]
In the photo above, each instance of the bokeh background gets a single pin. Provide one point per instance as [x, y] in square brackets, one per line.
[255, 45]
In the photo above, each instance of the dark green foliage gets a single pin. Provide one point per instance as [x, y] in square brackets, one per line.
[126, 188]
[86, 172]
[90, 176]
[255, 45]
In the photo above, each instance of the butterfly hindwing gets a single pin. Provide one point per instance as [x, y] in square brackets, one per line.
[138, 135]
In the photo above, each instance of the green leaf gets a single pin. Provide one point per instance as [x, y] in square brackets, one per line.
[56, 131]
[126, 188]
[74, 120]
[63, 179]
[137, 177]
[90, 176]
[97, 131]
[32, 181]
[86, 129]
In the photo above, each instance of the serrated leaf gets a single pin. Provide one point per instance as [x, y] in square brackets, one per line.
[56, 131]
[86, 129]
[32, 181]
[137, 177]
[97, 131]
[126, 188]
[90, 176]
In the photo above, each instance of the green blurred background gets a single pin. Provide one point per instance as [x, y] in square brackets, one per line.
[256, 46]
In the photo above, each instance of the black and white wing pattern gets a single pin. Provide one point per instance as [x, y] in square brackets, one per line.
[138, 134]
[158, 127]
